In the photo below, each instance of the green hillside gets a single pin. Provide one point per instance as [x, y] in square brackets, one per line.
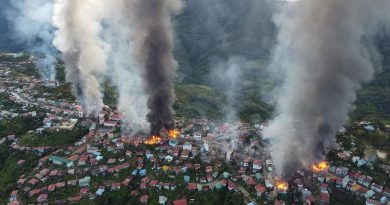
[373, 102]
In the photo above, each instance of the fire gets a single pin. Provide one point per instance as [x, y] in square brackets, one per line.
[153, 140]
[281, 185]
[173, 133]
[321, 166]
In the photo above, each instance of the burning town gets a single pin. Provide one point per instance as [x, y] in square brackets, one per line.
[176, 102]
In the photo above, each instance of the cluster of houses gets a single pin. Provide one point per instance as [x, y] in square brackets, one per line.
[105, 161]
[130, 164]
[104, 153]
[339, 178]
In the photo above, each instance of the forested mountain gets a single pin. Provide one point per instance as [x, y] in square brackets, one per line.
[208, 33]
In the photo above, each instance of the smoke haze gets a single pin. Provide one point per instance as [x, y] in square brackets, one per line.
[227, 77]
[324, 54]
[221, 29]
[31, 22]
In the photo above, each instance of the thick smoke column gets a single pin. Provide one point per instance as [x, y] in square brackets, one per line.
[124, 73]
[32, 25]
[153, 40]
[83, 51]
[325, 53]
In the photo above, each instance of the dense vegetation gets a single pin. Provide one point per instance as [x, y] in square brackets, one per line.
[206, 33]
[198, 101]
[8, 58]
[53, 138]
[19, 125]
[373, 102]
[28, 70]
[62, 92]
[9, 170]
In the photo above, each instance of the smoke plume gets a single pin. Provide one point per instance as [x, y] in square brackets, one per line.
[227, 76]
[325, 54]
[125, 74]
[31, 22]
[83, 50]
[153, 46]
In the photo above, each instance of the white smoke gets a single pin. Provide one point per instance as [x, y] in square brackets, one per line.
[31, 22]
[78, 38]
[124, 72]
[324, 55]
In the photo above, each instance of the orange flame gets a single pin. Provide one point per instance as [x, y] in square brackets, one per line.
[173, 133]
[281, 185]
[321, 166]
[153, 140]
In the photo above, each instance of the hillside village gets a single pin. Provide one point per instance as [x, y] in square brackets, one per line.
[90, 161]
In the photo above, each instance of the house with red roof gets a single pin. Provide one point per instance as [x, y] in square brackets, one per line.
[180, 202]
[260, 190]
[116, 117]
[279, 202]
[145, 180]
[223, 182]
[60, 184]
[324, 187]
[33, 181]
[191, 186]
[143, 186]
[153, 183]
[14, 195]
[209, 169]
[115, 186]
[21, 181]
[34, 192]
[74, 199]
[42, 198]
[126, 181]
[20, 162]
[144, 199]
[51, 187]
[250, 181]
[84, 191]
[232, 186]
[242, 170]
[324, 198]
[310, 200]
[209, 178]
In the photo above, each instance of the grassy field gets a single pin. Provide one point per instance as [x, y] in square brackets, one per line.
[53, 138]
[28, 70]
[62, 92]
[19, 125]
[198, 101]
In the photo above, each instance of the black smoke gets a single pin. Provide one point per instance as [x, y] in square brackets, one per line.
[154, 44]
